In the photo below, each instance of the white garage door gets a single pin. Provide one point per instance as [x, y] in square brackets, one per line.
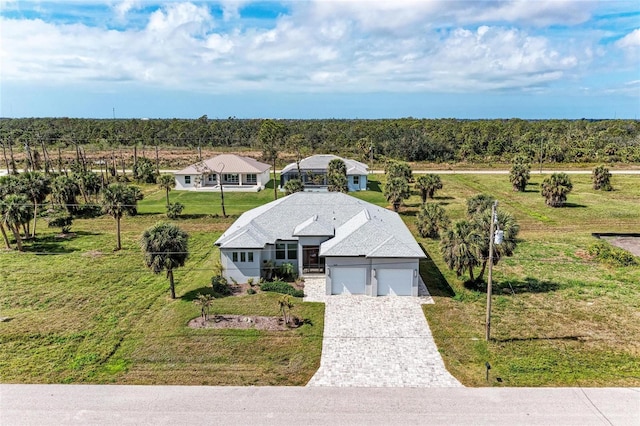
[348, 280]
[394, 282]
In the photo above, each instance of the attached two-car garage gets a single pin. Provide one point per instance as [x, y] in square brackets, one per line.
[376, 279]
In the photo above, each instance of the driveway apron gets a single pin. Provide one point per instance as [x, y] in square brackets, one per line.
[376, 342]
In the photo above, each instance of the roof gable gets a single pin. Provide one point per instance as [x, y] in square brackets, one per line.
[359, 228]
[226, 163]
[321, 162]
[313, 227]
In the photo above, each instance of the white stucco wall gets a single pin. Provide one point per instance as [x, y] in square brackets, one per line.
[263, 178]
[240, 271]
[181, 185]
[362, 184]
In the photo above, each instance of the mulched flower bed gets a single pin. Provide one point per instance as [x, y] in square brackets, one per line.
[243, 322]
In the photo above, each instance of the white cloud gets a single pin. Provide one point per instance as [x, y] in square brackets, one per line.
[320, 46]
[630, 41]
[124, 7]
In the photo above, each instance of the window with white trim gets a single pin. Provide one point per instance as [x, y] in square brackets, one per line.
[230, 178]
[242, 256]
[187, 180]
[356, 180]
[251, 179]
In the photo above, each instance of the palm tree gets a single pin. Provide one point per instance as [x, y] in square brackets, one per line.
[15, 212]
[555, 189]
[505, 223]
[165, 247]
[89, 183]
[64, 191]
[399, 169]
[479, 203]
[293, 185]
[396, 190]
[337, 176]
[204, 301]
[601, 178]
[36, 188]
[270, 139]
[461, 248]
[431, 219]
[9, 184]
[118, 200]
[519, 175]
[167, 182]
[428, 184]
[3, 208]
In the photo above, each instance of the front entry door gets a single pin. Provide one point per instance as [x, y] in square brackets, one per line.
[311, 260]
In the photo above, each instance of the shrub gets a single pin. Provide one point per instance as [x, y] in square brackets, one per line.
[612, 255]
[251, 291]
[220, 285]
[61, 220]
[174, 210]
[287, 271]
[282, 287]
[87, 211]
[250, 281]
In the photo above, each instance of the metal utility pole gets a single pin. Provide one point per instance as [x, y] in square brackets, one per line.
[489, 280]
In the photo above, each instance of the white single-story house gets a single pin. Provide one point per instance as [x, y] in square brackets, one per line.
[361, 248]
[236, 173]
[314, 173]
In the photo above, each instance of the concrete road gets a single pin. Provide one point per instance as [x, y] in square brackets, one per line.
[196, 405]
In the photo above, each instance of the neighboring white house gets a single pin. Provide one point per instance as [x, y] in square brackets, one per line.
[314, 173]
[236, 173]
[360, 247]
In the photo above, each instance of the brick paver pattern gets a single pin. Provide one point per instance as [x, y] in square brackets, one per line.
[376, 342]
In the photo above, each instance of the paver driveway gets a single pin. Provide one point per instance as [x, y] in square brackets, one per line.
[376, 342]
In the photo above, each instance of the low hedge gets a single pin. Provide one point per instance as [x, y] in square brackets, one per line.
[281, 287]
[612, 255]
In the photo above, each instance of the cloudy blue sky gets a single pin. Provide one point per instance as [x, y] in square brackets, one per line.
[320, 59]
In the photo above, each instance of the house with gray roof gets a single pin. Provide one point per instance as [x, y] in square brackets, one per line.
[234, 172]
[313, 173]
[360, 248]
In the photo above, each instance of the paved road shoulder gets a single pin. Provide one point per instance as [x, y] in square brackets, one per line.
[194, 405]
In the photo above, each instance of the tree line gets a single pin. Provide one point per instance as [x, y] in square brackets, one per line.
[407, 139]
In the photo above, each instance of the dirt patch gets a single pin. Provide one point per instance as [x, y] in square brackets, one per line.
[93, 254]
[242, 322]
[630, 244]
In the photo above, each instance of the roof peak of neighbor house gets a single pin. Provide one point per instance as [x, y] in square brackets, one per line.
[226, 163]
[321, 162]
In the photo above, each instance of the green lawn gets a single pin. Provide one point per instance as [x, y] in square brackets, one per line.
[559, 318]
[80, 312]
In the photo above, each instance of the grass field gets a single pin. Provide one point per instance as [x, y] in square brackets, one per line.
[80, 312]
[558, 317]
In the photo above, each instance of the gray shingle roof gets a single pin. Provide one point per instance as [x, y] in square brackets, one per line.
[321, 162]
[361, 228]
[227, 163]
